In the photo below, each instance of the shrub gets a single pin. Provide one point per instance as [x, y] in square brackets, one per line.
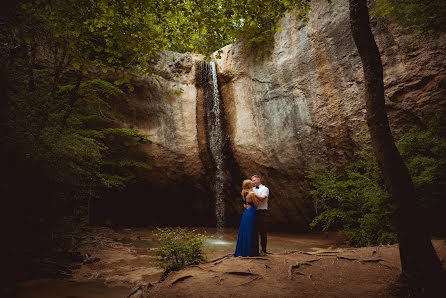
[424, 152]
[179, 248]
[355, 203]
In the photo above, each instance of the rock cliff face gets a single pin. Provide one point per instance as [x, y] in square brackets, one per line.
[283, 115]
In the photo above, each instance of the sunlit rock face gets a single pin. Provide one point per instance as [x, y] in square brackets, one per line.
[304, 106]
[163, 106]
[285, 114]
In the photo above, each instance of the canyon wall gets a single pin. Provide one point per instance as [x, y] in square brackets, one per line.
[284, 114]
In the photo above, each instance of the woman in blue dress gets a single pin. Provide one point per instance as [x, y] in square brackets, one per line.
[248, 236]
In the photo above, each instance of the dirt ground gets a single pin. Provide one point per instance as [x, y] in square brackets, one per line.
[115, 261]
[347, 272]
[120, 263]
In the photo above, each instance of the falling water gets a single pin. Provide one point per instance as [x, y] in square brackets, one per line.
[214, 126]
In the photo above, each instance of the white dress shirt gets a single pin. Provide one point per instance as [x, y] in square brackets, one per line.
[262, 191]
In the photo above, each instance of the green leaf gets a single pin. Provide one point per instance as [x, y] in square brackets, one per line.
[76, 65]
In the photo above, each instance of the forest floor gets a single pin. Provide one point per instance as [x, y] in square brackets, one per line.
[120, 263]
[345, 272]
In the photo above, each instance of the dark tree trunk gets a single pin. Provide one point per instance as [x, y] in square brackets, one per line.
[58, 68]
[73, 97]
[30, 60]
[419, 261]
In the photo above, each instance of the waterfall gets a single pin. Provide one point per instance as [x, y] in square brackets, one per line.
[213, 108]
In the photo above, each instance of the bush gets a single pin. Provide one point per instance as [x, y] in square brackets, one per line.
[355, 203]
[424, 152]
[179, 248]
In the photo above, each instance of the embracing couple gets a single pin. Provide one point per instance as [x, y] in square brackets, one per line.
[255, 201]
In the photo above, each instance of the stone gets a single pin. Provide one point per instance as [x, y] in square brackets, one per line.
[301, 107]
[304, 105]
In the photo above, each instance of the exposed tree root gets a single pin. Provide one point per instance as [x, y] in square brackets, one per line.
[346, 258]
[313, 260]
[251, 280]
[255, 258]
[218, 259]
[135, 291]
[325, 254]
[290, 270]
[198, 266]
[290, 252]
[297, 265]
[390, 267]
[318, 253]
[241, 273]
[181, 279]
[371, 260]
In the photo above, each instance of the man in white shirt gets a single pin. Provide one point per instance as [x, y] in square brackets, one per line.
[261, 210]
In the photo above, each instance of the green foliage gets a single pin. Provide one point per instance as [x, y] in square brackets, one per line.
[57, 121]
[79, 159]
[354, 203]
[113, 35]
[423, 17]
[89, 121]
[106, 34]
[424, 152]
[179, 248]
[205, 26]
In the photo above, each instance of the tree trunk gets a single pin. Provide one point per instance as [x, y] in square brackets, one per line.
[419, 261]
[30, 61]
[73, 97]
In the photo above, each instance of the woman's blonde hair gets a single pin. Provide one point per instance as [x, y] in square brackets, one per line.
[246, 187]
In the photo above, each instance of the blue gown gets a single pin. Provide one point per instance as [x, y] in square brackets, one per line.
[248, 236]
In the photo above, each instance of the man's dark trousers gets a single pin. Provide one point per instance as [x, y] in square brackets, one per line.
[261, 225]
